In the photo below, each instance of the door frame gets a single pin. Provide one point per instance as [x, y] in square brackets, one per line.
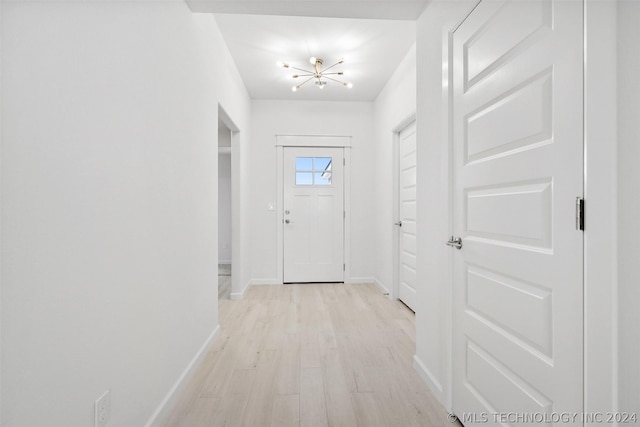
[600, 193]
[402, 125]
[313, 141]
[237, 261]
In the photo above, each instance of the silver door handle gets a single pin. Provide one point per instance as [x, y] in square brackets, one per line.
[288, 221]
[399, 223]
[456, 242]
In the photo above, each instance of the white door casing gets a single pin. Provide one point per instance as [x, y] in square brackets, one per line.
[517, 170]
[313, 179]
[407, 190]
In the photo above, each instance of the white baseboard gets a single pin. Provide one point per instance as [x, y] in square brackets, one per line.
[162, 412]
[268, 282]
[236, 296]
[382, 287]
[360, 280]
[430, 380]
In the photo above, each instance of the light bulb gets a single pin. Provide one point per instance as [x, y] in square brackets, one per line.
[349, 85]
[320, 86]
[312, 60]
[294, 89]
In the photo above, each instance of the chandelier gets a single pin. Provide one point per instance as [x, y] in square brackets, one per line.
[320, 76]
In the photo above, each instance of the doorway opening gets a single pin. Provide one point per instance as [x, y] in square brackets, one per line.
[224, 211]
[228, 206]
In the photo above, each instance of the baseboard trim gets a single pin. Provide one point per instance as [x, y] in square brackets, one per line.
[162, 412]
[237, 296]
[360, 280]
[263, 282]
[430, 380]
[382, 287]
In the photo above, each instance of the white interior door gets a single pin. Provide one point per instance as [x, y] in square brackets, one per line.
[407, 216]
[313, 214]
[517, 170]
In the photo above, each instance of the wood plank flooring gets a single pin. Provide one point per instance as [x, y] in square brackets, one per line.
[310, 355]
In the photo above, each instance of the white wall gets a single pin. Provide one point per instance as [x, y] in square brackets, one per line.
[224, 208]
[433, 315]
[628, 204]
[109, 203]
[270, 118]
[394, 106]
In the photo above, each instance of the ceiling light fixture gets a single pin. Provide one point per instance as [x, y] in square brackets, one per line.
[321, 76]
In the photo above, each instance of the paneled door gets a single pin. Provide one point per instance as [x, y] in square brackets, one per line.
[517, 171]
[407, 214]
[313, 214]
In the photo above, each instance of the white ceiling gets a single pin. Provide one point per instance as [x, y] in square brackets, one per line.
[371, 49]
[365, 9]
[371, 35]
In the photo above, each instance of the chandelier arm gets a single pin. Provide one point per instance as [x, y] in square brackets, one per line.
[336, 80]
[295, 76]
[306, 81]
[337, 63]
[300, 69]
[333, 74]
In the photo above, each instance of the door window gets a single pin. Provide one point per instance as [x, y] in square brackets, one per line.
[313, 171]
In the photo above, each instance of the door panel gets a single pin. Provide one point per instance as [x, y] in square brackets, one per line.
[517, 170]
[313, 215]
[407, 209]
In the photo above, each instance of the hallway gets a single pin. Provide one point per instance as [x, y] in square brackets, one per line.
[310, 355]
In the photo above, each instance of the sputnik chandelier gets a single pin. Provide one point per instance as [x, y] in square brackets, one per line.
[321, 76]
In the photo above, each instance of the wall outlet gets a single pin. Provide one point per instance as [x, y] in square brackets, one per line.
[103, 409]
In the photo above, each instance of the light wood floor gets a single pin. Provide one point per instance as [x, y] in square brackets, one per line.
[310, 355]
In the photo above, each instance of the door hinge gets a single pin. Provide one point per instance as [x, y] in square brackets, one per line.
[344, 214]
[579, 213]
[344, 267]
[344, 162]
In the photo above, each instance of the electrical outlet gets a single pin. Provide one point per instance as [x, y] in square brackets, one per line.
[103, 409]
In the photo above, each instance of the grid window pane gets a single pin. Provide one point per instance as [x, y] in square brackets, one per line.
[322, 178]
[304, 178]
[322, 163]
[304, 163]
[312, 171]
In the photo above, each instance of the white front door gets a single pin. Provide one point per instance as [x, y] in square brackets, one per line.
[407, 214]
[517, 170]
[313, 214]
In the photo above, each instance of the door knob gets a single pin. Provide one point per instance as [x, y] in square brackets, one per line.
[456, 242]
[288, 221]
[399, 223]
